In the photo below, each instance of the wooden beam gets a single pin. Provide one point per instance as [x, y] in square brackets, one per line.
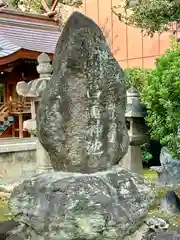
[21, 54]
[45, 6]
[4, 93]
[8, 93]
[13, 130]
[20, 125]
[18, 16]
[50, 14]
[54, 5]
[6, 68]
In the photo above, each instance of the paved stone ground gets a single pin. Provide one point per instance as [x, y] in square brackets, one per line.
[174, 235]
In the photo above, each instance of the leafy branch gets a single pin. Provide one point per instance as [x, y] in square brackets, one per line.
[150, 15]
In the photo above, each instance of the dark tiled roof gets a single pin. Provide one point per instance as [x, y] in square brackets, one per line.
[34, 33]
[7, 48]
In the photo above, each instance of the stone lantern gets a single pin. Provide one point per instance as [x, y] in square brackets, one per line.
[34, 90]
[137, 129]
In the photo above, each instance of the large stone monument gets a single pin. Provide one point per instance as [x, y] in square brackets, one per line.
[81, 124]
[33, 90]
[80, 120]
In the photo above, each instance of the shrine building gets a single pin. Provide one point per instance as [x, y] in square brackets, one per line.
[23, 37]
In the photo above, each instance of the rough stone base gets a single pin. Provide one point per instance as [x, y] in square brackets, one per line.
[70, 206]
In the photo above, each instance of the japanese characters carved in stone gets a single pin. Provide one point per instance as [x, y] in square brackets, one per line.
[81, 115]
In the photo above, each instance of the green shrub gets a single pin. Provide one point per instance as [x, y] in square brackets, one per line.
[161, 94]
[146, 155]
[135, 77]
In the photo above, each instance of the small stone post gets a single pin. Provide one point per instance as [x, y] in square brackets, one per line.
[137, 130]
[33, 90]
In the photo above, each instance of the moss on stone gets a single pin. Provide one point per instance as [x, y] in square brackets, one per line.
[174, 221]
[4, 210]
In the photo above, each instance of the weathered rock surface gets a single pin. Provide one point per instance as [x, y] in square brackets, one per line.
[171, 203]
[166, 158]
[81, 120]
[71, 206]
[170, 235]
[5, 227]
[170, 169]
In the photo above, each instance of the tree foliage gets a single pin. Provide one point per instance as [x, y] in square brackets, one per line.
[146, 155]
[161, 94]
[152, 15]
[36, 6]
[135, 77]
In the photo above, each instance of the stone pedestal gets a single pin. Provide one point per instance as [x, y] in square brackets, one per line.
[133, 160]
[42, 157]
[107, 205]
[43, 160]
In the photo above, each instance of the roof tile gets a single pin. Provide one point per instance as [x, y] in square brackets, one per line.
[16, 34]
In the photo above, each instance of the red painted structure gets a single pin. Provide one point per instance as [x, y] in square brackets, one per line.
[23, 36]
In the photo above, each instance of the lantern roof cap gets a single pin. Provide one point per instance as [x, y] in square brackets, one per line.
[134, 108]
[132, 92]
